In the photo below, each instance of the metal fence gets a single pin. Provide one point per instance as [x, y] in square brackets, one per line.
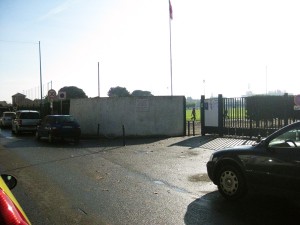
[252, 116]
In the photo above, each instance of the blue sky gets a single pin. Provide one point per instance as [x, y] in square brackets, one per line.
[234, 45]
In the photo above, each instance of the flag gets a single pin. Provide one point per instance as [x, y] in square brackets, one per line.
[170, 10]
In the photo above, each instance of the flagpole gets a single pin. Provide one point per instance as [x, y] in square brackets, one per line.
[170, 31]
[98, 81]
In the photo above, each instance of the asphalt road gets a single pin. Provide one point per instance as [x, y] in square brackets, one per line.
[148, 181]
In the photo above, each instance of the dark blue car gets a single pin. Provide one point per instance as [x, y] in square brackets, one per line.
[58, 127]
[272, 165]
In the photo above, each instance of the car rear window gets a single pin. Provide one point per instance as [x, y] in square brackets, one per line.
[65, 119]
[8, 114]
[30, 115]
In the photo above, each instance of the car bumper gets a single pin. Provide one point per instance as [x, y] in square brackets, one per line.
[66, 134]
[210, 170]
[27, 128]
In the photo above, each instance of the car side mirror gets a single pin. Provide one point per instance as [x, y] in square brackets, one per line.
[258, 139]
[9, 180]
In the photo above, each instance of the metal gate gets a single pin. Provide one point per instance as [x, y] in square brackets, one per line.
[249, 116]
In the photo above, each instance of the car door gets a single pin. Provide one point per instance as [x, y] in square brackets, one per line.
[284, 160]
[44, 127]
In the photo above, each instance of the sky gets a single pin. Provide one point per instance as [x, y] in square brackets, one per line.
[217, 47]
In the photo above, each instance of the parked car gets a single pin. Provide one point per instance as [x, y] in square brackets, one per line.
[10, 210]
[5, 120]
[25, 121]
[273, 164]
[58, 126]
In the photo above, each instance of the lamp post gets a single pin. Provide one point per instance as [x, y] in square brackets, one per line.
[41, 77]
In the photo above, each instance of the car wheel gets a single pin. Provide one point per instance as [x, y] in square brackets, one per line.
[231, 183]
[50, 138]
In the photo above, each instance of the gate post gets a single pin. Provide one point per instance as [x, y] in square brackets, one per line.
[202, 114]
[220, 114]
[285, 105]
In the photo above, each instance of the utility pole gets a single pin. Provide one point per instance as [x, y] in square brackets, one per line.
[41, 77]
[266, 80]
[170, 32]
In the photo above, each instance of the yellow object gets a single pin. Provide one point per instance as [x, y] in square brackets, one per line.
[6, 190]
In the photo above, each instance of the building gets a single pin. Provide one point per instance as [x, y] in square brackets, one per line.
[21, 100]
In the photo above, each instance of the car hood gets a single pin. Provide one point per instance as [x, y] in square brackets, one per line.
[236, 150]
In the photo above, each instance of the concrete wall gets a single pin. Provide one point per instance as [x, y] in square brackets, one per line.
[141, 116]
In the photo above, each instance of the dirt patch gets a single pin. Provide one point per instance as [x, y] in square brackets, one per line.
[199, 178]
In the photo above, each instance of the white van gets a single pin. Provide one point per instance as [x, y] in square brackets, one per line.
[25, 121]
[5, 120]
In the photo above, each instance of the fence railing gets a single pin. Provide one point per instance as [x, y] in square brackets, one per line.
[251, 116]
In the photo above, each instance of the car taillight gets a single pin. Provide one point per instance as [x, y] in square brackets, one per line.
[9, 213]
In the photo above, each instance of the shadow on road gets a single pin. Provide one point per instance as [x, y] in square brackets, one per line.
[29, 140]
[212, 209]
[195, 142]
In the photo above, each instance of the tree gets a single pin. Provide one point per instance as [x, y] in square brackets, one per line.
[190, 104]
[73, 92]
[118, 92]
[141, 93]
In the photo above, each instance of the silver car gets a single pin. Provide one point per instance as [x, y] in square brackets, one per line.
[25, 121]
[5, 120]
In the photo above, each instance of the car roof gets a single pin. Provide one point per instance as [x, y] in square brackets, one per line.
[27, 111]
[58, 115]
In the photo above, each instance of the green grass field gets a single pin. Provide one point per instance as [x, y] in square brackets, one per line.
[232, 113]
[189, 115]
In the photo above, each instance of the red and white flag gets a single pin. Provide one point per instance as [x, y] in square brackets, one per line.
[170, 10]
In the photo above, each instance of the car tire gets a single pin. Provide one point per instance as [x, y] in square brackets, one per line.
[231, 183]
[37, 136]
[50, 138]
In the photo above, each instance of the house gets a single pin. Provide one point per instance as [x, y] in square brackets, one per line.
[21, 100]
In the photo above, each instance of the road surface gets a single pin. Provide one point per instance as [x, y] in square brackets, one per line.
[148, 181]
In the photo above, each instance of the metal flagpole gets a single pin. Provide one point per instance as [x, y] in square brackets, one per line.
[170, 18]
[98, 81]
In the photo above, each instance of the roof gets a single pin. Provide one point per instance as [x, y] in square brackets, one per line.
[57, 115]
[18, 94]
[27, 111]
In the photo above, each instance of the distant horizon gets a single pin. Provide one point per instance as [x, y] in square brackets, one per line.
[275, 93]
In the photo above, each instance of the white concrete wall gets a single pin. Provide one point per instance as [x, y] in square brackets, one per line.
[141, 116]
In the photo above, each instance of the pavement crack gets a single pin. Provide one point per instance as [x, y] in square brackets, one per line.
[82, 211]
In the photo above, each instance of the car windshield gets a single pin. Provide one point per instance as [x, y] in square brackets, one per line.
[287, 139]
[65, 119]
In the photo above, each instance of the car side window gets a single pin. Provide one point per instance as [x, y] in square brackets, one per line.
[290, 138]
